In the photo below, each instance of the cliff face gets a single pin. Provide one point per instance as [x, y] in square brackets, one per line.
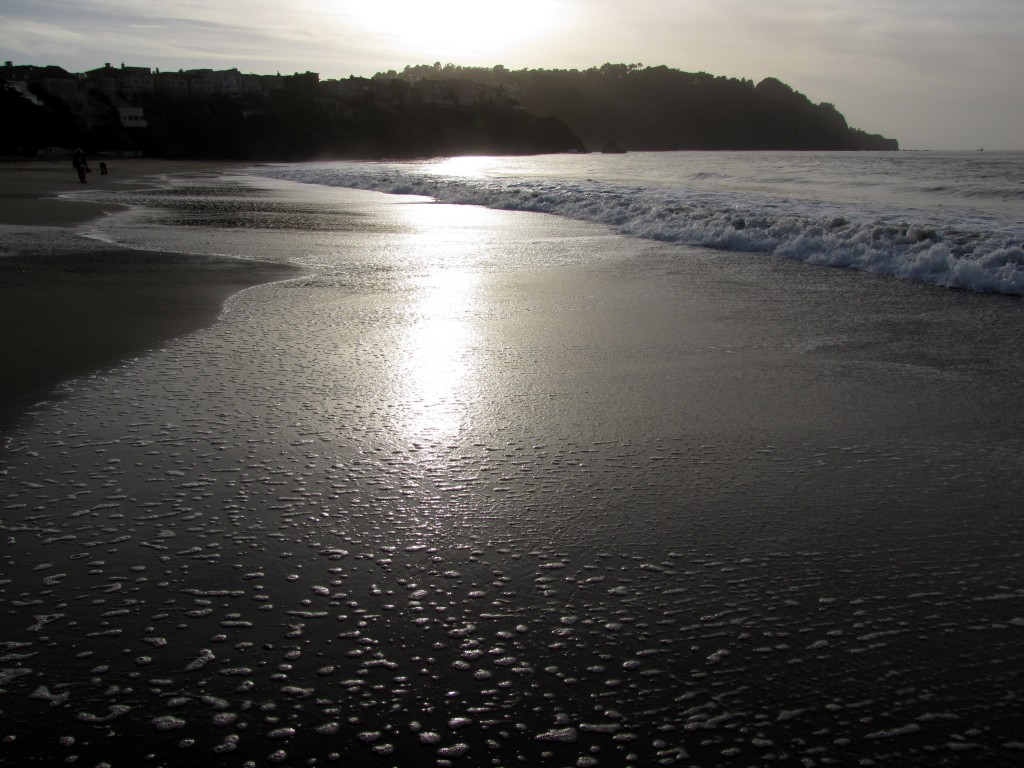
[657, 108]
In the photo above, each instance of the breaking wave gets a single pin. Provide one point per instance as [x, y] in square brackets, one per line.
[961, 251]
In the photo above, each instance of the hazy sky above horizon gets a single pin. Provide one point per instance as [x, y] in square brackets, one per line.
[935, 74]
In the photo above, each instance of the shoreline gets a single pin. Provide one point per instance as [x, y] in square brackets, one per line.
[70, 314]
[495, 467]
[30, 190]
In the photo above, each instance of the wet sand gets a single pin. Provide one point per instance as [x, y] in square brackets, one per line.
[30, 189]
[64, 315]
[495, 489]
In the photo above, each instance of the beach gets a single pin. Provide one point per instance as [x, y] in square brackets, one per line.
[71, 313]
[30, 188]
[488, 487]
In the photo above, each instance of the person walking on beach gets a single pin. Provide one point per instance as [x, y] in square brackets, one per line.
[81, 164]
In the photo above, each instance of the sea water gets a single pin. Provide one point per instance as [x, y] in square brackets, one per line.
[491, 488]
[952, 219]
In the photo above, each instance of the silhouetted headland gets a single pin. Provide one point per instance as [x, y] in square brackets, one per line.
[428, 110]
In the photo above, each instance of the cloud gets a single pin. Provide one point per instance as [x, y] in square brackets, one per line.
[909, 67]
[178, 34]
[35, 38]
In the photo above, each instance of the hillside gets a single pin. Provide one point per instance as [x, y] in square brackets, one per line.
[658, 108]
[423, 111]
[283, 126]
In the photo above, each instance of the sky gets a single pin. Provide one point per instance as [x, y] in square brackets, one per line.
[934, 74]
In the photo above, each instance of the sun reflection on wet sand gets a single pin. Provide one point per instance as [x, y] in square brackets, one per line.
[438, 368]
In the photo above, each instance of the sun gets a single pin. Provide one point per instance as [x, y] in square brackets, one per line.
[450, 29]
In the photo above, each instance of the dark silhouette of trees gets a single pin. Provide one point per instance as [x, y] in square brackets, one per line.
[292, 126]
[26, 127]
[658, 108]
[436, 109]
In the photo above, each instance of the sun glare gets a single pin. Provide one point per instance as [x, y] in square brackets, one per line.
[439, 373]
[449, 29]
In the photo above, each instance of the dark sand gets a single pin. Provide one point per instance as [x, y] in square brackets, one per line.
[70, 314]
[67, 316]
[655, 506]
[30, 189]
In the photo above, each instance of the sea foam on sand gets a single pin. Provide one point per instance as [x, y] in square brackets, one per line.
[487, 487]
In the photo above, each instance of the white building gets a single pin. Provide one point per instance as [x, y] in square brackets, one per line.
[131, 117]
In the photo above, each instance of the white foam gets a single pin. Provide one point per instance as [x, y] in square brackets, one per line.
[951, 251]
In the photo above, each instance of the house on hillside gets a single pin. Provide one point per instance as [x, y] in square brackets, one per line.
[171, 83]
[124, 82]
[212, 81]
[271, 83]
[59, 83]
[305, 83]
[51, 80]
[10, 73]
[132, 117]
[15, 79]
[462, 93]
[392, 91]
[251, 84]
[352, 89]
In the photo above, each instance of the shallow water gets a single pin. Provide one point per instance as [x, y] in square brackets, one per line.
[943, 218]
[488, 488]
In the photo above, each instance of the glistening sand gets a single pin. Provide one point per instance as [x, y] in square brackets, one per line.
[495, 489]
[68, 306]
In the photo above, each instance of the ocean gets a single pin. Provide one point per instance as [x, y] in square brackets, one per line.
[633, 484]
[952, 219]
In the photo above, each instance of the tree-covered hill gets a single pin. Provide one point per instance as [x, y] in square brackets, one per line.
[284, 126]
[428, 110]
[296, 127]
[658, 108]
